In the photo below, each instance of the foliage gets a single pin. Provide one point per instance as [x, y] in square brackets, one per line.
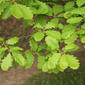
[48, 35]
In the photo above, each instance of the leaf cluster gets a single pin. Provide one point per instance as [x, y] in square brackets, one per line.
[51, 40]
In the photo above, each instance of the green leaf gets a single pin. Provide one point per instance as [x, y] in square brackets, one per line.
[57, 9]
[53, 23]
[15, 48]
[21, 11]
[74, 20]
[54, 34]
[69, 61]
[80, 2]
[7, 13]
[2, 51]
[73, 62]
[41, 61]
[3, 6]
[7, 62]
[82, 39]
[68, 14]
[40, 8]
[50, 11]
[33, 44]
[83, 26]
[68, 31]
[52, 43]
[38, 36]
[78, 11]
[72, 39]
[81, 31]
[29, 59]
[63, 62]
[19, 58]
[69, 6]
[44, 68]
[38, 26]
[12, 41]
[53, 61]
[50, 25]
[60, 26]
[70, 47]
